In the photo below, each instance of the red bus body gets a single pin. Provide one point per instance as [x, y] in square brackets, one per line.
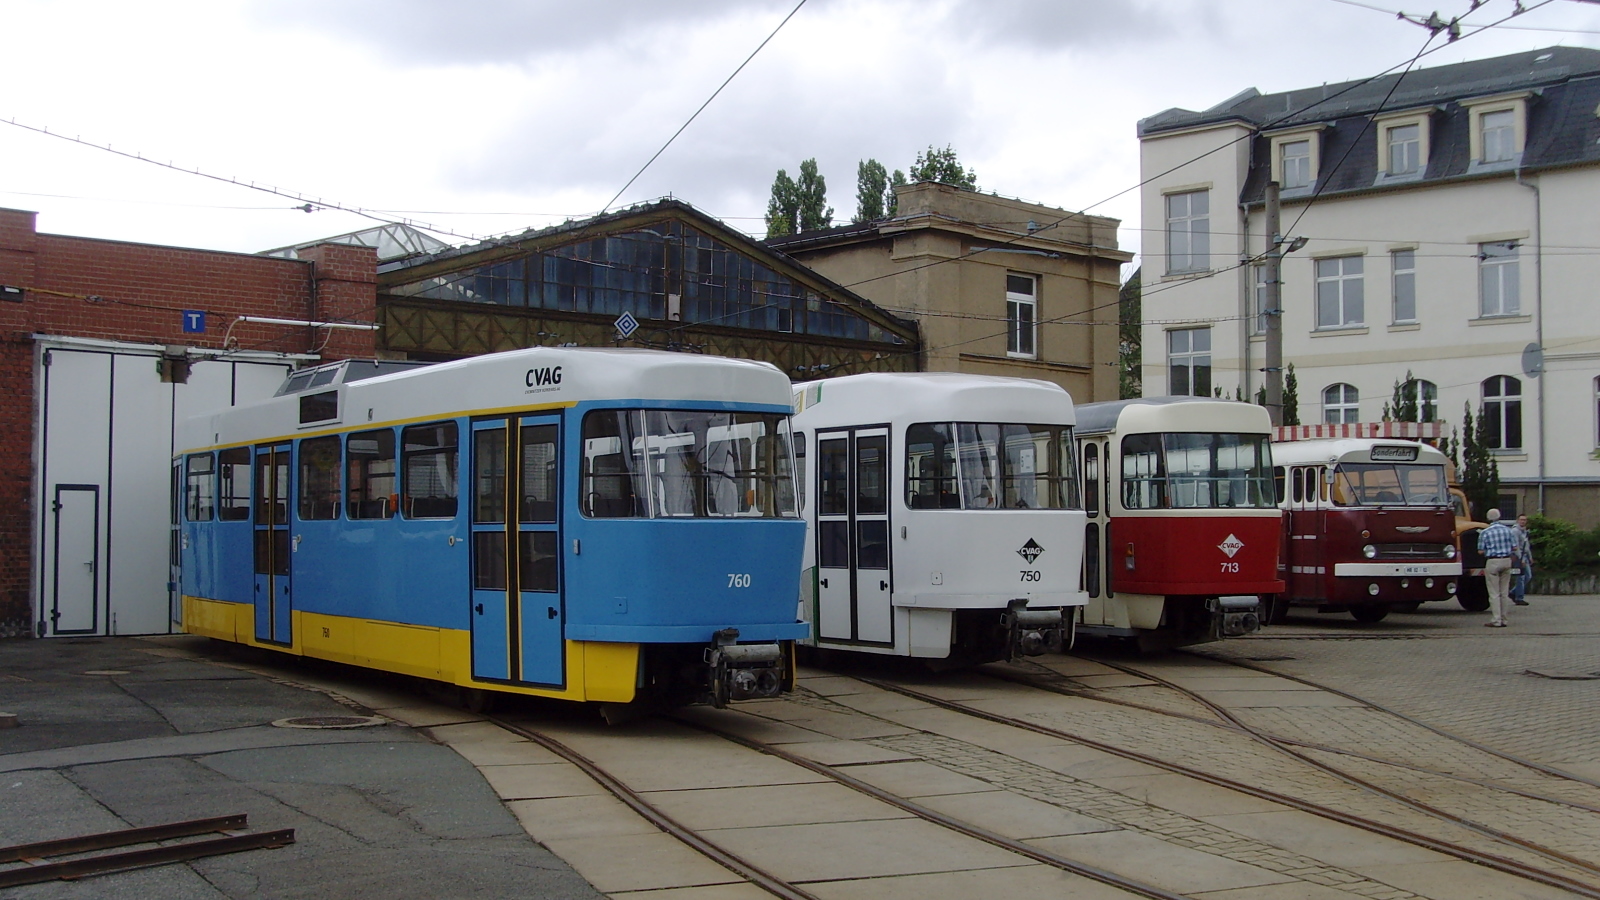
[1362, 550]
[1173, 557]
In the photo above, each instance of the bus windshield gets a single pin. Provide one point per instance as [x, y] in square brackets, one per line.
[984, 465]
[1389, 484]
[686, 464]
[1190, 470]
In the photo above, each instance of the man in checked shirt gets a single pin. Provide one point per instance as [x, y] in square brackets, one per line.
[1498, 544]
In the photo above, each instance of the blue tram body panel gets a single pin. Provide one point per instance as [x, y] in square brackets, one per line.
[391, 570]
[656, 581]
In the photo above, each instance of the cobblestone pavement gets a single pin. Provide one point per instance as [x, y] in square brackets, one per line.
[1442, 666]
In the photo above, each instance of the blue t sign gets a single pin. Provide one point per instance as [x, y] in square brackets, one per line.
[194, 321]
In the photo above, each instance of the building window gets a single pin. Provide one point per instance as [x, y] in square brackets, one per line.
[1189, 231]
[1341, 403]
[1295, 158]
[1022, 319]
[1189, 362]
[1497, 132]
[1405, 285]
[1258, 321]
[1425, 394]
[1502, 412]
[1499, 291]
[1405, 149]
[1339, 292]
[1597, 412]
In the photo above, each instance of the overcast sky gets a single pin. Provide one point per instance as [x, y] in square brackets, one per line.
[492, 116]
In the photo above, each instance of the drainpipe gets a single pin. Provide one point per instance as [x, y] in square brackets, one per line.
[1538, 314]
[1247, 292]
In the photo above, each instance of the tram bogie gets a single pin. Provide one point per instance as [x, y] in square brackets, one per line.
[1182, 530]
[1368, 526]
[613, 526]
[943, 514]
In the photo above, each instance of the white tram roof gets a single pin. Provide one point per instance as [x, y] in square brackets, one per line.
[930, 397]
[1153, 415]
[513, 380]
[1332, 451]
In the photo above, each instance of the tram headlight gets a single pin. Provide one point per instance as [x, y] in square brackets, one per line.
[1449, 551]
[1373, 589]
[1369, 551]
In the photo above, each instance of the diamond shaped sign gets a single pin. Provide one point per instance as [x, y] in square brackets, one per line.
[1231, 545]
[626, 325]
[1030, 551]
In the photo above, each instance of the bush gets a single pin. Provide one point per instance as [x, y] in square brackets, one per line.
[1561, 546]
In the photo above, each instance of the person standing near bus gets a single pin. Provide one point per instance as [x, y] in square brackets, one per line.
[1497, 543]
[1522, 563]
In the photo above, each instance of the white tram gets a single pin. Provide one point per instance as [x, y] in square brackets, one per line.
[944, 515]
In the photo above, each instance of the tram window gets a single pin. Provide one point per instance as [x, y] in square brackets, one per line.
[319, 407]
[833, 544]
[872, 544]
[1300, 484]
[833, 477]
[800, 467]
[539, 474]
[233, 474]
[773, 476]
[489, 475]
[613, 468]
[1277, 483]
[1144, 472]
[319, 478]
[872, 475]
[1091, 559]
[370, 488]
[931, 467]
[429, 457]
[539, 563]
[1091, 479]
[272, 494]
[980, 465]
[489, 560]
[275, 562]
[200, 487]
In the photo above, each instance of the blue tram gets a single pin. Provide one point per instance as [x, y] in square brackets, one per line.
[616, 526]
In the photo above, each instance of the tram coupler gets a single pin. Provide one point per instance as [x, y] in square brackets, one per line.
[1033, 632]
[743, 671]
[1235, 615]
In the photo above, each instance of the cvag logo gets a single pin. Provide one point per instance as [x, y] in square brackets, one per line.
[549, 375]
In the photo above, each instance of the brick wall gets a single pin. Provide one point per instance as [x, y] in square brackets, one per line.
[141, 291]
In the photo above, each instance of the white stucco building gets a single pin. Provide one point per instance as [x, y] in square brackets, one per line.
[1452, 222]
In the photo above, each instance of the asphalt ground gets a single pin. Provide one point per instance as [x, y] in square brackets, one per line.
[117, 733]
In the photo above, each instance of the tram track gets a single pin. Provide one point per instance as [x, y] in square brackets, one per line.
[1300, 753]
[1495, 861]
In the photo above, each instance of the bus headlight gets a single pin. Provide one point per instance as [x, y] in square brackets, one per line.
[1372, 589]
[1369, 551]
[1428, 583]
[1449, 551]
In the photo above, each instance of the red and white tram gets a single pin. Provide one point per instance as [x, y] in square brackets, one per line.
[1183, 527]
[1368, 526]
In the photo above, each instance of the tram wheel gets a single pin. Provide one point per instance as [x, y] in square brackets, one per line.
[477, 700]
[1369, 612]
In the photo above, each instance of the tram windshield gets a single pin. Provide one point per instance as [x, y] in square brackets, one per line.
[981, 465]
[657, 463]
[1389, 484]
[1190, 470]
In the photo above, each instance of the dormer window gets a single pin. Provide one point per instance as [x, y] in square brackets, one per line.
[1296, 161]
[1405, 149]
[1498, 132]
[1498, 129]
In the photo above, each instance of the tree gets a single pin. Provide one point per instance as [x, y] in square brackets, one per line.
[783, 209]
[872, 184]
[1402, 406]
[812, 190]
[1479, 473]
[891, 203]
[943, 166]
[1130, 325]
[1291, 397]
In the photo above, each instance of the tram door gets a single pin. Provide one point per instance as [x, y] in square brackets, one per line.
[273, 599]
[854, 588]
[1308, 503]
[517, 611]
